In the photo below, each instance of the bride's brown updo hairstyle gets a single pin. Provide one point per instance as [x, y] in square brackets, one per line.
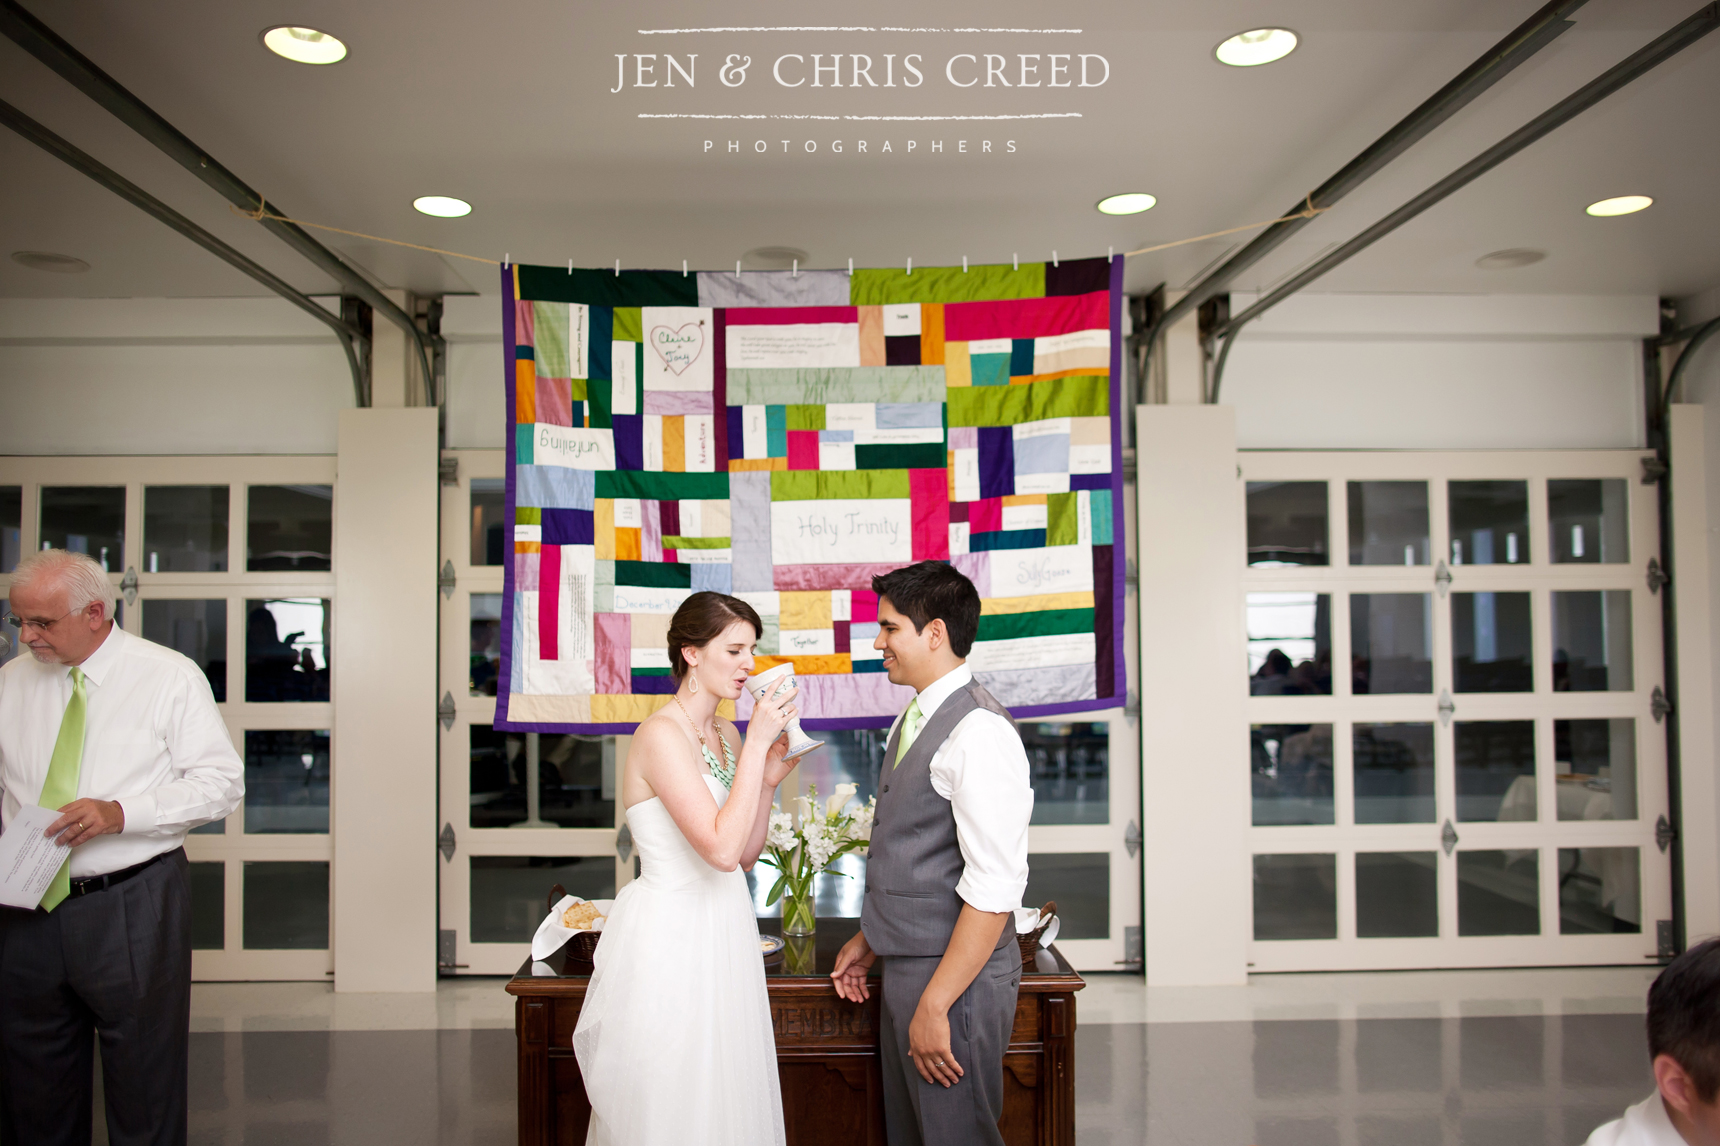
[701, 619]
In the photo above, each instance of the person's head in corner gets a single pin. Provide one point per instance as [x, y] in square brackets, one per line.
[1684, 1041]
[928, 617]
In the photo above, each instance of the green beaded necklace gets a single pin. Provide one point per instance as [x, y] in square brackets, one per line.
[725, 772]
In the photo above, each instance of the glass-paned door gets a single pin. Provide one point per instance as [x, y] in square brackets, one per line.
[1454, 760]
[261, 634]
[510, 847]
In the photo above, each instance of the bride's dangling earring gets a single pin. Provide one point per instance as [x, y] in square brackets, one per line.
[693, 681]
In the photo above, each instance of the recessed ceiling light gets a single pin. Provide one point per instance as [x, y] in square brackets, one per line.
[48, 261]
[1128, 203]
[1510, 259]
[1619, 205]
[442, 206]
[1260, 46]
[304, 45]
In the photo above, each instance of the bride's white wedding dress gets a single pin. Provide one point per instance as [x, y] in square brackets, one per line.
[674, 1040]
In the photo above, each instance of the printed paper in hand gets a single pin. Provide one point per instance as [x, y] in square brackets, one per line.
[28, 859]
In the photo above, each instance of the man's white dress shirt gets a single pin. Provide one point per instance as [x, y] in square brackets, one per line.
[981, 769]
[1645, 1124]
[153, 740]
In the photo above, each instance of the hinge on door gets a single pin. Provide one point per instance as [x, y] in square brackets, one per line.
[128, 584]
[1665, 945]
[1658, 706]
[1446, 707]
[1448, 837]
[445, 843]
[1134, 951]
[1441, 578]
[624, 843]
[1653, 469]
[1132, 838]
[1132, 705]
[1656, 575]
[445, 582]
[445, 711]
[1131, 576]
[1664, 834]
[449, 471]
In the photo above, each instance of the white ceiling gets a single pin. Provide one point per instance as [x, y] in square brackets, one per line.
[509, 106]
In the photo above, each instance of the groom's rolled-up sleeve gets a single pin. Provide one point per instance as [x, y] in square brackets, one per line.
[982, 771]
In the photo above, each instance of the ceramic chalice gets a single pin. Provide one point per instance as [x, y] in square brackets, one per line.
[771, 682]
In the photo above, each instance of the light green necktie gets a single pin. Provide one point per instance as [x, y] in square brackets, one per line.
[61, 786]
[911, 721]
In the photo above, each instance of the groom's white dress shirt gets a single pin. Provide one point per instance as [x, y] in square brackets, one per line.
[153, 741]
[1645, 1124]
[981, 769]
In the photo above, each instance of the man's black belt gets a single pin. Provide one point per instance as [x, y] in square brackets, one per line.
[94, 883]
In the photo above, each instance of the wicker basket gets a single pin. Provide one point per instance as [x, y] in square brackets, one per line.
[1029, 943]
[583, 946]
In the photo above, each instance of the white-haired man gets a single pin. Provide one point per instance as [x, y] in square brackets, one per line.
[123, 738]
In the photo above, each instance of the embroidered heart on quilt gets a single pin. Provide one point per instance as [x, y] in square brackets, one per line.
[680, 347]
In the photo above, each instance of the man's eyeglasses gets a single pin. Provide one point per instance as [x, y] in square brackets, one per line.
[20, 623]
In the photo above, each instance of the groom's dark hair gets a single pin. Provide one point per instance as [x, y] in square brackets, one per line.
[934, 591]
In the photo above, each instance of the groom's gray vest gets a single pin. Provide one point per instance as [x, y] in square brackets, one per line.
[914, 861]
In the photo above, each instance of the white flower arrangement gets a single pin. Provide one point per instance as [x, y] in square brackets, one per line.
[826, 832]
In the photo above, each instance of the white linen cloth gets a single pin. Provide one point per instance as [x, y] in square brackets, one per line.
[674, 1040]
[981, 769]
[153, 740]
[1645, 1124]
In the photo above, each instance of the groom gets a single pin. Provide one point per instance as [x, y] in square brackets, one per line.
[945, 871]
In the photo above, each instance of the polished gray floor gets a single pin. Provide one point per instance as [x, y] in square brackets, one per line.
[1478, 1081]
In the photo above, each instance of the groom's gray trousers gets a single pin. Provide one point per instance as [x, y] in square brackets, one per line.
[921, 1113]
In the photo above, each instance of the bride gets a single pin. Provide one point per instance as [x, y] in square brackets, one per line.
[674, 1040]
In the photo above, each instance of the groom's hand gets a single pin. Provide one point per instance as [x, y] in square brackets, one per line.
[852, 963]
[929, 1045]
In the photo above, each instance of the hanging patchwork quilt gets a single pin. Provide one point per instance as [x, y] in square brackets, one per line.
[784, 437]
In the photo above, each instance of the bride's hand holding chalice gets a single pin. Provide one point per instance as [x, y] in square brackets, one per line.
[771, 717]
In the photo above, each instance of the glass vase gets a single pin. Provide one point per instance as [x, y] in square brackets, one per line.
[797, 912]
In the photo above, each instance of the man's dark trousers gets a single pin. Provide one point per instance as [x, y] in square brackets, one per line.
[116, 962]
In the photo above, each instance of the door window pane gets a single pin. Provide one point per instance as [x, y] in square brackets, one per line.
[1490, 643]
[1489, 522]
[1291, 773]
[289, 527]
[1290, 644]
[11, 526]
[212, 828]
[1393, 773]
[576, 779]
[286, 782]
[486, 656]
[1590, 522]
[1498, 892]
[196, 628]
[185, 529]
[1080, 884]
[1391, 643]
[13, 640]
[286, 905]
[1296, 897]
[1286, 523]
[208, 906]
[1070, 765]
[1495, 770]
[488, 529]
[1591, 641]
[86, 519]
[1599, 891]
[1388, 523]
[1597, 768]
[1397, 895]
[286, 649]
[510, 894]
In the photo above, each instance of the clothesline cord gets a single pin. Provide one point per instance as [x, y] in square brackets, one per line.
[262, 212]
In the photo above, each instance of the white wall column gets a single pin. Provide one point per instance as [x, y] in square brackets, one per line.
[1194, 739]
[1699, 818]
[383, 793]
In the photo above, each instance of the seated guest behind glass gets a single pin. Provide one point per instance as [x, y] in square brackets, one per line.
[1684, 1044]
